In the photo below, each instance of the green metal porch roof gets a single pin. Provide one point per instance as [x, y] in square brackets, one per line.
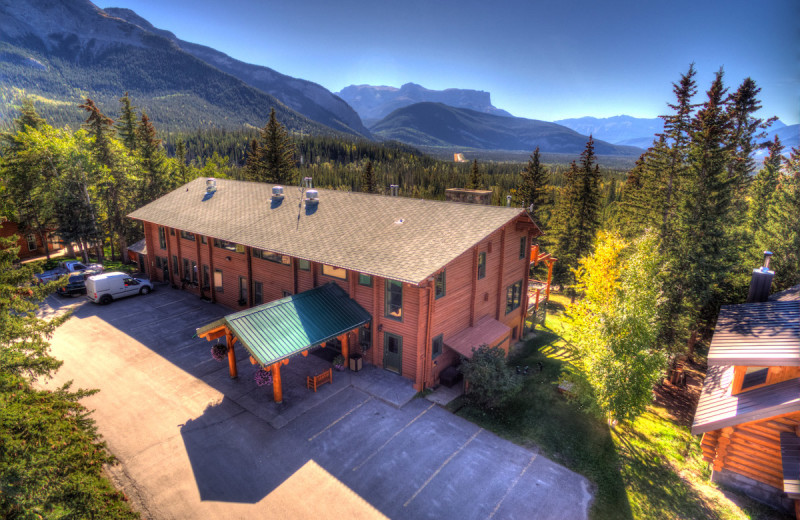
[285, 327]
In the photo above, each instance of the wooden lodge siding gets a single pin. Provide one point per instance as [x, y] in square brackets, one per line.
[8, 229]
[467, 299]
[751, 449]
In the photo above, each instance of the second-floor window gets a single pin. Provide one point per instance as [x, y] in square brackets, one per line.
[272, 257]
[481, 265]
[393, 299]
[230, 246]
[335, 272]
[523, 246]
[187, 236]
[440, 284]
[162, 237]
[513, 296]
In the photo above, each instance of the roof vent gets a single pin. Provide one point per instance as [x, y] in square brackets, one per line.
[394, 188]
[508, 201]
[277, 192]
[312, 197]
[399, 221]
[211, 185]
[307, 182]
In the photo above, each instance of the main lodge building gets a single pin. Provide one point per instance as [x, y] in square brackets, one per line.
[438, 278]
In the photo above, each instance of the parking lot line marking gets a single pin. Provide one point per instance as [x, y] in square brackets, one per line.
[508, 491]
[398, 432]
[445, 463]
[331, 425]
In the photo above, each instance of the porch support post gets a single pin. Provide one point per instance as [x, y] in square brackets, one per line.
[229, 340]
[345, 339]
[549, 279]
[277, 385]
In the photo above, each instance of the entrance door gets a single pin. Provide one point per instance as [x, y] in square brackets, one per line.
[392, 352]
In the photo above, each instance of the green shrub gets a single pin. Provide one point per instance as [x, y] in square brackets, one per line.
[490, 381]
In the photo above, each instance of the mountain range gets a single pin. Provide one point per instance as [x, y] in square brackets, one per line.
[373, 103]
[440, 125]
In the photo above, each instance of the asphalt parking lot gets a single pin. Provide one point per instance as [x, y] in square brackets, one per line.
[193, 443]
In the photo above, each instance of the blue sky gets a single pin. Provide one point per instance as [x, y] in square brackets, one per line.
[546, 60]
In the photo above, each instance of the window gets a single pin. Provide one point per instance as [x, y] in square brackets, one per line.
[162, 237]
[393, 300]
[303, 265]
[754, 376]
[193, 268]
[175, 265]
[206, 278]
[230, 246]
[187, 236]
[513, 296]
[481, 265]
[436, 345]
[203, 239]
[258, 291]
[272, 257]
[365, 338]
[334, 272]
[172, 231]
[31, 239]
[364, 279]
[439, 284]
[217, 280]
[523, 246]
[242, 290]
[186, 270]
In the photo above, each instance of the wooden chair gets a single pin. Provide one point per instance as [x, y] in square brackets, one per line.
[319, 379]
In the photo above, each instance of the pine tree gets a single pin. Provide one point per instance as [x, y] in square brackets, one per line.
[577, 214]
[99, 127]
[368, 179]
[154, 181]
[764, 187]
[51, 460]
[183, 169]
[274, 155]
[475, 177]
[251, 167]
[781, 233]
[126, 123]
[532, 189]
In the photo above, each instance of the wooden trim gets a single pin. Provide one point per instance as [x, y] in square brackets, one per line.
[294, 275]
[249, 252]
[525, 297]
[170, 268]
[181, 273]
[474, 291]
[375, 319]
[428, 361]
[211, 271]
[199, 264]
[500, 284]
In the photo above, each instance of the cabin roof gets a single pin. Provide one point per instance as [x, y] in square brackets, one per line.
[399, 238]
[791, 294]
[757, 334]
[717, 408]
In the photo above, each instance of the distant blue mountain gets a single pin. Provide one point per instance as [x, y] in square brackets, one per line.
[624, 130]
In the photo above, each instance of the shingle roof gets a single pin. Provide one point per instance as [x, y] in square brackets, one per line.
[757, 334]
[792, 294]
[393, 237]
[717, 408]
[285, 327]
[139, 247]
[486, 331]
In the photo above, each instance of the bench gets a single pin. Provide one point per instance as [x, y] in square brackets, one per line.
[319, 379]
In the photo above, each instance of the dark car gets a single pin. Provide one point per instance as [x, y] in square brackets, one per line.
[75, 285]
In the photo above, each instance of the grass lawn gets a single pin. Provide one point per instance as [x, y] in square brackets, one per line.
[652, 468]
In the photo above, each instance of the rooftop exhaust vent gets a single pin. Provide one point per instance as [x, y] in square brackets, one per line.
[508, 201]
[211, 185]
[312, 197]
[277, 192]
[394, 189]
[307, 182]
[761, 282]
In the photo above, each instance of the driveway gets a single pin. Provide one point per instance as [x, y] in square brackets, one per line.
[192, 443]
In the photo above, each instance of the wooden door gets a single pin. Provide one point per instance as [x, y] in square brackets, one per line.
[392, 352]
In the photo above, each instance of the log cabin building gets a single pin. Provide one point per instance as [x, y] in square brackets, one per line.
[749, 409]
[436, 278]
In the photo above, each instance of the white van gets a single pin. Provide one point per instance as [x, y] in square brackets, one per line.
[106, 287]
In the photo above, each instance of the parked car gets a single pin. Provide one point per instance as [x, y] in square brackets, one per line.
[75, 285]
[67, 267]
[107, 287]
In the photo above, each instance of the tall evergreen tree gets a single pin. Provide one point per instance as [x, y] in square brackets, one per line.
[99, 127]
[764, 187]
[126, 123]
[781, 234]
[475, 177]
[577, 214]
[274, 155]
[368, 184]
[532, 189]
[182, 169]
[155, 179]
